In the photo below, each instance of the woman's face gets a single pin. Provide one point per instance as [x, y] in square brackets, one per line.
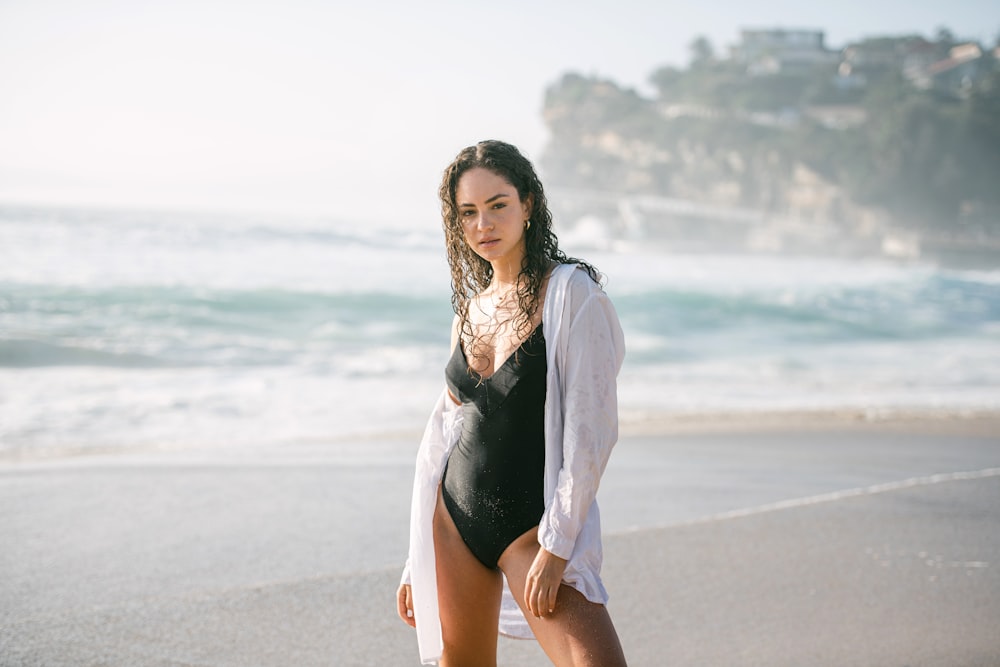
[492, 216]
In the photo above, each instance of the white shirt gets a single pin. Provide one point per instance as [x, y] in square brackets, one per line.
[584, 352]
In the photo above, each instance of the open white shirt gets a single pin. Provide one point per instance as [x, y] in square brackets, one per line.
[584, 352]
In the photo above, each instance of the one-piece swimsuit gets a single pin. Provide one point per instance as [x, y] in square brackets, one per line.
[493, 479]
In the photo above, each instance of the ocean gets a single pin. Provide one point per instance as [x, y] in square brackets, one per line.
[128, 330]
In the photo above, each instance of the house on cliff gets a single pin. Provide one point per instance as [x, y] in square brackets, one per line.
[777, 50]
[956, 75]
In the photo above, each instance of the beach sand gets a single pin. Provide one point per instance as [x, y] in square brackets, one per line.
[810, 542]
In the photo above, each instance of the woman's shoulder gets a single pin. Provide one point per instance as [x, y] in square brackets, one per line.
[578, 279]
[572, 288]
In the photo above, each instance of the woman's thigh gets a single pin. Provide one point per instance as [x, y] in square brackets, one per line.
[468, 597]
[578, 632]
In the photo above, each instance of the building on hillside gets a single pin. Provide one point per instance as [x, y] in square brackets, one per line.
[779, 50]
[877, 56]
[920, 55]
[957, 74]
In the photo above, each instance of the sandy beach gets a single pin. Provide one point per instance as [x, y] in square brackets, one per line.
[832, 541]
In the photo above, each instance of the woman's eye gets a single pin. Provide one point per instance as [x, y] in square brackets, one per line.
[499, 205]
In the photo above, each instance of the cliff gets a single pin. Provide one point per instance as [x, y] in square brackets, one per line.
[859, 156]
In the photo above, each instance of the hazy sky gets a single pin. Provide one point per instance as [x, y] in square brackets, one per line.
[343, 109]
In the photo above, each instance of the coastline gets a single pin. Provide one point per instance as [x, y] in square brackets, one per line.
[944, 421]
[400, 443]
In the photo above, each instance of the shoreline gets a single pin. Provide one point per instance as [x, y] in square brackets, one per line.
[945, 421]
[390, 445]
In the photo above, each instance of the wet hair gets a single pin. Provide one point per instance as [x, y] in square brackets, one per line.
[470, 273]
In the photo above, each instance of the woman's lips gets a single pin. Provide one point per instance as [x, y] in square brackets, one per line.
[489, 242]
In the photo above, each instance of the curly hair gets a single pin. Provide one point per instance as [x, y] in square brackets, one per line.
[470, 273]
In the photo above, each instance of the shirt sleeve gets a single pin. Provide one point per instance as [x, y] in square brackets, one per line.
[593, 356]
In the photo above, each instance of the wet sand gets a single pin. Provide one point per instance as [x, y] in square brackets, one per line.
[840, 545]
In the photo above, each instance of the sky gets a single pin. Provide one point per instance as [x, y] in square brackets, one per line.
[344, 110]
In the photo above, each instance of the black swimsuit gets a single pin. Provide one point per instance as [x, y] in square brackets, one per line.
[493, 480]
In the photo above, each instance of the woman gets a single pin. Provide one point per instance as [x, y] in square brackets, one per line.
[504, 527]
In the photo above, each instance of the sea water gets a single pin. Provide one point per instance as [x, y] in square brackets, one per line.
[129, 330]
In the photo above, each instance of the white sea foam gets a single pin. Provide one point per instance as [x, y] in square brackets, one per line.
[133, 330]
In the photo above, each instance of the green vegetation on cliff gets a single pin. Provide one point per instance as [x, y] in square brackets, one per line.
[904, 127]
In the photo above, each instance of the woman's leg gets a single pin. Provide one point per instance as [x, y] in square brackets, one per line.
[468, 597]
[578, 632]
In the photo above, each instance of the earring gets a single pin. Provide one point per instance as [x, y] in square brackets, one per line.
[527, 225]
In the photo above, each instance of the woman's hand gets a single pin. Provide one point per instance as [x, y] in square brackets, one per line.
[404, 605]
[542, 583]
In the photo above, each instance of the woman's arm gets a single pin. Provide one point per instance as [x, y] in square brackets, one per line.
[441, 431]
[588, 375]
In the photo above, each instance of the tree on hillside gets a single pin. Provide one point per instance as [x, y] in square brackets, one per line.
[980, 145]
[945, 37]
[667, 81]
[702, 52]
